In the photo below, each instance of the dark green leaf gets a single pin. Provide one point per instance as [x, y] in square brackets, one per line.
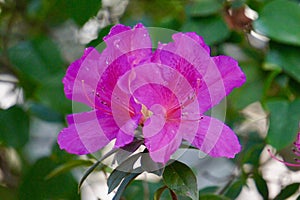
[122, 171]
[212, 29]
[130, 177]
[204, 7]
[212, 197]
[287, 191]
[138, 188]
[261, 186]
[184, 184]
[58, 11]
[99, 39]
[286, 58]
[35, 187]
[67, 167]
[284, 119]
[235, 189]
[14, 127]
[279, 20]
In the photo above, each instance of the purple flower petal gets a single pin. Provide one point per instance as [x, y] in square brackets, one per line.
[87, 132]
[219, 81]
[216, 139]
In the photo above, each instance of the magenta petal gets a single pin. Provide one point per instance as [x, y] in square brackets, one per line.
[87, 132]
[219, 81]
[82, 77]
[216, 139]
[199, 40]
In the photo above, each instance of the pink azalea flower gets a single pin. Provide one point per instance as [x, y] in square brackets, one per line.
[166, 92]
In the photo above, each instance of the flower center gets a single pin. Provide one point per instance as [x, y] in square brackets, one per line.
[146, 113]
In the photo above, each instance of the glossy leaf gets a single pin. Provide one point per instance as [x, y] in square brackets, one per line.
[288, 191]
[279, 20]
[212, 29]
[14, 127]
[283, 132]
[184, 184]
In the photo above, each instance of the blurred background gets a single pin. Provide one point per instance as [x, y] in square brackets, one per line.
[40, 38]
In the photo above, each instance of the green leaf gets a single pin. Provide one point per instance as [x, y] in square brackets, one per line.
[287, 191]
[184, 184]
[212, 197]
[45, 113]
[159, 192]
[149, 165]
[35, 187]
[212, 29]
[138, 188]
[279, 20]
[14, 127]
[207, 190]
[58, 11]
[122, 171]
[286, 58]
[67, 167]
[252, 90]
[284, 119]
[235, 189]
[204, 7]
[261, 186]
[36, 59]
[130, 177]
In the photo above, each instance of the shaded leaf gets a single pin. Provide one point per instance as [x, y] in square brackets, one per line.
[235, 189]
[204, 7]
[122, 171]
[288, 191]
[35, 187]
[184, 184]
[212, 197]
[284, 119]
[45, 113]
[285, 58]
[159, 192]
[14, 127]
[212, 29]
[130, 177]
[283, 26]
[261, 186]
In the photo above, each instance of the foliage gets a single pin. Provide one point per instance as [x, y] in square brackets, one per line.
[32, 54]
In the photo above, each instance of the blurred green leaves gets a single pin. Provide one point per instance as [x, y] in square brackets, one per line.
[279, 20]
[14, 127]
